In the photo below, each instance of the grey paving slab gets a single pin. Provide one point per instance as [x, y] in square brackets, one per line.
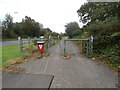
[23, 80]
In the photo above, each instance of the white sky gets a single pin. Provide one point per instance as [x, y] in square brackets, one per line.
[51, 13]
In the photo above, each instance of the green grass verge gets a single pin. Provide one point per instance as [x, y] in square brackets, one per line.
[9, 52]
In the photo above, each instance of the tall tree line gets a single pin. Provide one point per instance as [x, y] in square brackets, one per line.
[26, 28]
[72, 29]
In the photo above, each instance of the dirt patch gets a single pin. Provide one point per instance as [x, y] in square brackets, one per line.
[13, 64]
[68, 56]
[13, 69]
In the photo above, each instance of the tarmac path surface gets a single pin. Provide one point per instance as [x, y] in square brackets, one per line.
[76, 72]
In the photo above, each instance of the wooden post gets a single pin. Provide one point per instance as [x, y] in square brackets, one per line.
[29, 40]
[20, 44]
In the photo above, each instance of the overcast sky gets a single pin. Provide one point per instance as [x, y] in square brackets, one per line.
[51, 13]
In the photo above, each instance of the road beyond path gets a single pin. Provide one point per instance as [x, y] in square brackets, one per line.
[5, 43]
[76, 72]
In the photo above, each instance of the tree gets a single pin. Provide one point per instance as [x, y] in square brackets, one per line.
[7, 27]
[30, 27]
[41, 26]
[98, 11]
[103, 22]
[45, 31]
[18, 29]
[72, 28]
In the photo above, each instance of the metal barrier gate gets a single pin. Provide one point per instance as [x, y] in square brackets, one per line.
[87, 40]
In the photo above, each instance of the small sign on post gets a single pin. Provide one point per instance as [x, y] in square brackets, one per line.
[91, 44]
[91, 39]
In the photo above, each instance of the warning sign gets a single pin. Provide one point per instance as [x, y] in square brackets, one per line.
[40, 46]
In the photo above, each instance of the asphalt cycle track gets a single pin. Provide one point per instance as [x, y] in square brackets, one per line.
[75, 72]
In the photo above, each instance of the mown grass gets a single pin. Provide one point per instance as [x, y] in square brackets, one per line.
[10, 52]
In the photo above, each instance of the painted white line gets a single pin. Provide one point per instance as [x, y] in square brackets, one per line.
[46, 66]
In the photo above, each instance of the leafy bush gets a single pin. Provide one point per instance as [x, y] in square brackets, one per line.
[106, 38]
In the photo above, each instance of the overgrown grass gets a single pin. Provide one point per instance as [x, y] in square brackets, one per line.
[108, 54]
[10, 52]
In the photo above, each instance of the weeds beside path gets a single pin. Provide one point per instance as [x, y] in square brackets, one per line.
[10, 52]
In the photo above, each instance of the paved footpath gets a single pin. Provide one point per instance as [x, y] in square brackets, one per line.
[76, 72]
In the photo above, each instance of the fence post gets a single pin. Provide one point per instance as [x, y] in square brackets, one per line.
[29, 40]
[20, 44]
